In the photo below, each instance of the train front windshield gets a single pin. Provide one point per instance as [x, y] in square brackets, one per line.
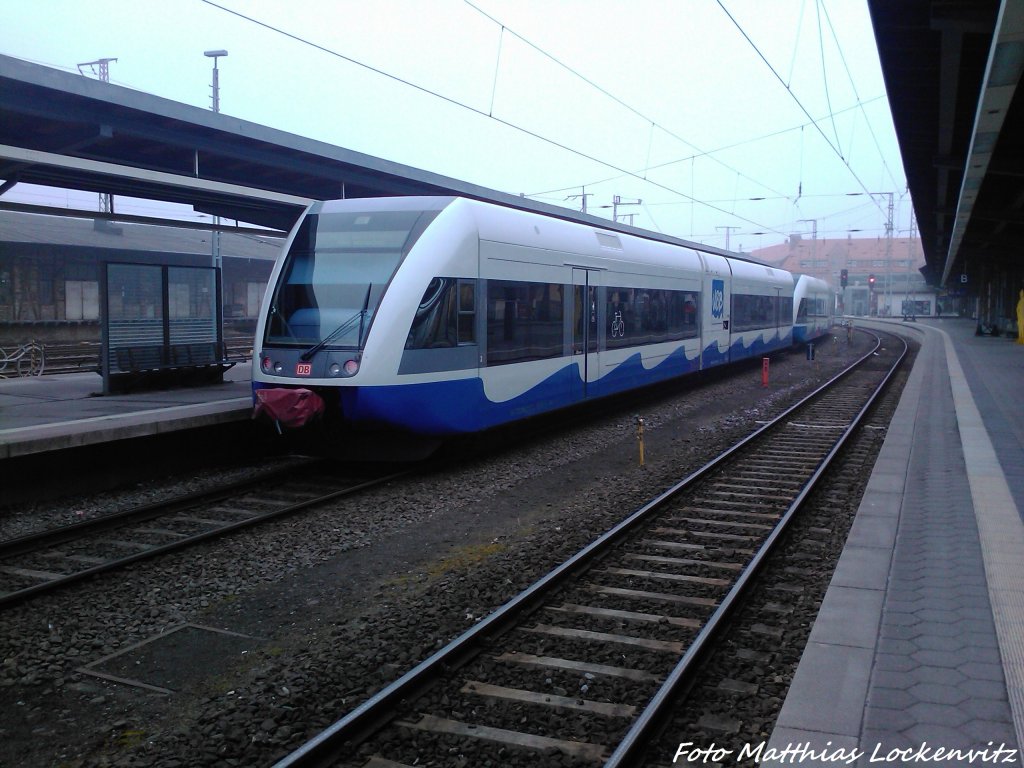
[335, 274]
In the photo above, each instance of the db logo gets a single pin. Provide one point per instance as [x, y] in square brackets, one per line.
[717, 298]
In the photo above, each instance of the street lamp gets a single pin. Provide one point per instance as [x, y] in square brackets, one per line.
[216, 85]
[215, 232]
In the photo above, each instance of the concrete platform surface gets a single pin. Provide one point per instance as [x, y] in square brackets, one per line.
[48, 413]
[917, 654]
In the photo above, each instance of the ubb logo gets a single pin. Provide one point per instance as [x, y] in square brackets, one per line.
[717, 298]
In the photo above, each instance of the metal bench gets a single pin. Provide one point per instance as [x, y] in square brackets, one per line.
[153, 365]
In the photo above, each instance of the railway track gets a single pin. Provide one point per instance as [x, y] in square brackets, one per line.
[580, 668]
[740, 687]
[40, 562]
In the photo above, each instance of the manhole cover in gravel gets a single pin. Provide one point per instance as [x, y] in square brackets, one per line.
[174, 660]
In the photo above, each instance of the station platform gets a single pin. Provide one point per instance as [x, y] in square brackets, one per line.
[51, 413]
[917, 653]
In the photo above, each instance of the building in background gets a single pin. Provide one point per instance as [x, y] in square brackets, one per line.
[883, 275]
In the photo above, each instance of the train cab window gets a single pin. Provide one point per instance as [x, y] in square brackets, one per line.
[335, 274]
[815, 307]
[524, 321]
[446, 315]
[811, 306]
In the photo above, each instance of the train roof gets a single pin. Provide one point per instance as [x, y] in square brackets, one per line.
[432, 203]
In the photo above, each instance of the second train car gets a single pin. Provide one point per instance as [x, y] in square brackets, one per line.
[813, 306]
[443, 315]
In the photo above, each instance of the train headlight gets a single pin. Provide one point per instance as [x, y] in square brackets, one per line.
[278, 368]
[334, 369]
[351, 367]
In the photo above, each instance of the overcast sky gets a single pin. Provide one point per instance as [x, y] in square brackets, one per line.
[694, 107]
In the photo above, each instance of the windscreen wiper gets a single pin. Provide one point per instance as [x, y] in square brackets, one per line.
[359, 315]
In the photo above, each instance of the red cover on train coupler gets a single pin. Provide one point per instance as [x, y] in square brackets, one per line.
[288, 408]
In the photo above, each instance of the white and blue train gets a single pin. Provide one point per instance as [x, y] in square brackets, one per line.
[441, 316]
[814, 301]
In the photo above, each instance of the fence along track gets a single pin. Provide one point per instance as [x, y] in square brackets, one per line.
[633, 612]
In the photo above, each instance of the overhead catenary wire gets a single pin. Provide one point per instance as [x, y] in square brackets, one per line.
[710, 152]
[799, 103]
[475, 110]
[860, 104]
[641, 175]
[654, 123]
[796, 43]
[824, 78]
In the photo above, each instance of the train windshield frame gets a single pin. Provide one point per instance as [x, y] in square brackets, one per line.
[335, 274]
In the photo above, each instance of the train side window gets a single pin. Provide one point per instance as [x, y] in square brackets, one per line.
[785, 310]
[467, 311]
[751, 312]
[434, 323]
[524, 321]
[446, 315]
[685, 310]
[638, 316]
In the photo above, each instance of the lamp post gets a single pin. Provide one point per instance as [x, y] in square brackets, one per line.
[216, 84]
[215, 233]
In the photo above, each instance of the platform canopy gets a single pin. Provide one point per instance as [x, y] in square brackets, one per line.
[952, 70]
[65, 130]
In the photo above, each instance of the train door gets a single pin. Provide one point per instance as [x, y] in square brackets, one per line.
[716, 310]
[584, 328]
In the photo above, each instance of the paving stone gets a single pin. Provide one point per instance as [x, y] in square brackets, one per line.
[938, 658]
[984, 731]
[902, 647]
[980, 670]
[889, 698]
[896, 662]
[899, 631]
[936, 671]
[894, 679]
[984, 689]
[934, 643]
[938, 713]
[940, 617]
[991, 710]
[888, 720]
[938, 675]
[937, 694]
[937, 734]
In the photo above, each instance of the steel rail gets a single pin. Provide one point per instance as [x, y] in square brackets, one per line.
[376, 711]
[50, 536]
[11, 598]
[632, 746]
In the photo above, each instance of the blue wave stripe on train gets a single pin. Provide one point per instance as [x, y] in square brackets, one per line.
[461, 406]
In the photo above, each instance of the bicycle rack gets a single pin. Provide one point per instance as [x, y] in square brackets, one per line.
[27, 360]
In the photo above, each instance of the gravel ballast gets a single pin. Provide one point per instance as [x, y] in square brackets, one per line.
[341, 600]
